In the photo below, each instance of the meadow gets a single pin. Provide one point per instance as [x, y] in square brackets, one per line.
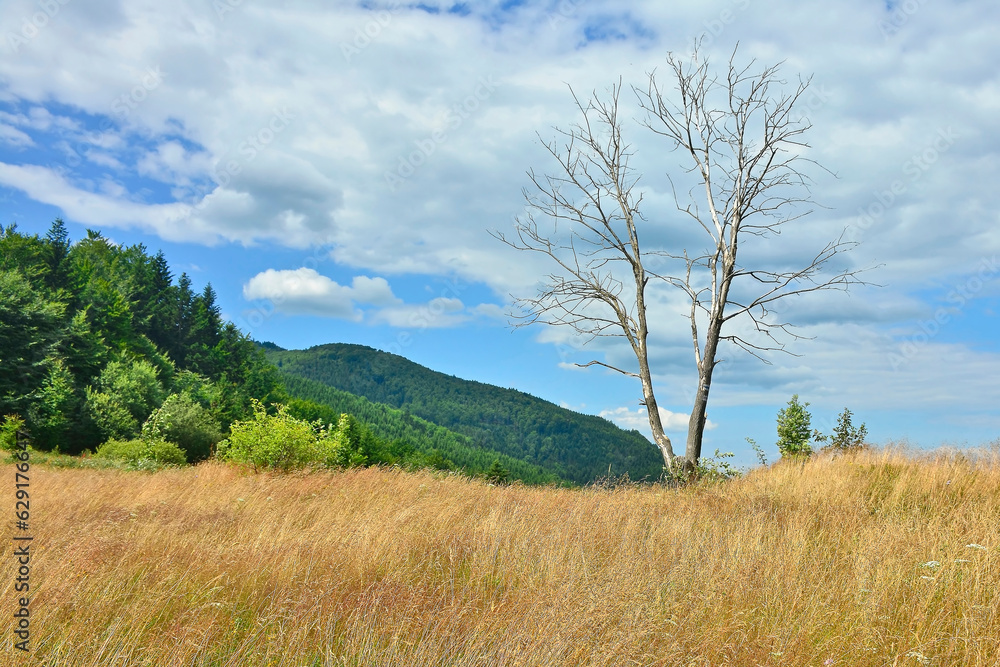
[880, 557]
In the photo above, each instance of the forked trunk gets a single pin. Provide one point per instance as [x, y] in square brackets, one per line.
[696, 423]
[652, 409]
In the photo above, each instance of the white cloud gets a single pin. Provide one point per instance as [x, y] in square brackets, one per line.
[207, 132]
[14, 136]
[172, 163]
[490, 311]
[673, 422]
[306, 292]
[437, 313]
[374, 291]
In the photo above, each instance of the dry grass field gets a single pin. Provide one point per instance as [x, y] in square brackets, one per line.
[877, 558]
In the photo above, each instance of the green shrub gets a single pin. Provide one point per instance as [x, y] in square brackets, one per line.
[345, 445]
[184, 422]
[709, 469]
[497, 474]
[123, 397]
[845, 435]
[794, 431]
[8, 431]
[284, 442]
[110, 416]
[271, 441]
[138, 450]
[52, 408]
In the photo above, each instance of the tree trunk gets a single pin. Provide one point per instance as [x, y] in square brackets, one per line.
[696, 423]
[655, 425]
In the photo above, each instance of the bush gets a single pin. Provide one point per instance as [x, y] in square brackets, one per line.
[284, 442]
[710, 469]
[123, 397]
[112, 419]
[184, 422]
[497, 474]
[271, 441]
[344, 447]
[845, 435]
[138, 451]
[8, 432]
[794, 431]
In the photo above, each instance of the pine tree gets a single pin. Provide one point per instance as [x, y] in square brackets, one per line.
[162, 306]
[205, 334]
[57, 248]
[182, 321]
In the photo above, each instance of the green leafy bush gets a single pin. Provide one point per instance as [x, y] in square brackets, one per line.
[8, 431]
[345, 446]
[123, 397]
[497, 474]
[271, 441]
[137, 451]
[184, 422]
[284, 442]
[794, 431]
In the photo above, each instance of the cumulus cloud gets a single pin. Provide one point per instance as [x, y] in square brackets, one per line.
[306, 292]
[288, 140]
[438, 313]
[673, 422]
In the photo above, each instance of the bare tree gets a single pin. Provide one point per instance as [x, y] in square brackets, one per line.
[737, 135]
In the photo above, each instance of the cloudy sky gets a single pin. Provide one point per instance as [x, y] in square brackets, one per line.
[334, 170]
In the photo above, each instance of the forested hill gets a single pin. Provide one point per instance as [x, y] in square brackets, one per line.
[95, 337]
[407, 438]
[574, 446]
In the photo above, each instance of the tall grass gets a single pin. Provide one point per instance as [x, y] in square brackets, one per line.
[826, 562]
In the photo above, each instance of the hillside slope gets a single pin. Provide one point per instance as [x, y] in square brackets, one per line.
[405, 432]
[574, 446]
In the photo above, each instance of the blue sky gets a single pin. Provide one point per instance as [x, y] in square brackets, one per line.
[333, 170]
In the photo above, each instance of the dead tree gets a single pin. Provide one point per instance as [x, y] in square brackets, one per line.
[738, 137]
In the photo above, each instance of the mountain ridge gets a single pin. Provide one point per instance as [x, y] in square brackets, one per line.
[576, 447]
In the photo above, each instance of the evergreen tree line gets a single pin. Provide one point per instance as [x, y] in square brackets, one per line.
[95, 337]
[102, 349]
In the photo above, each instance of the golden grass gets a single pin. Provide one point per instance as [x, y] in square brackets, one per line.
[811, 564]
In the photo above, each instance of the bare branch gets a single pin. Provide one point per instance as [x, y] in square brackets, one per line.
[601, 363]
[743, 151]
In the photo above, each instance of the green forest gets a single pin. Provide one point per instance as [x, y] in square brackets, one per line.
[96, 336]
[407, 437]
[104, 351]
[573, 446]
